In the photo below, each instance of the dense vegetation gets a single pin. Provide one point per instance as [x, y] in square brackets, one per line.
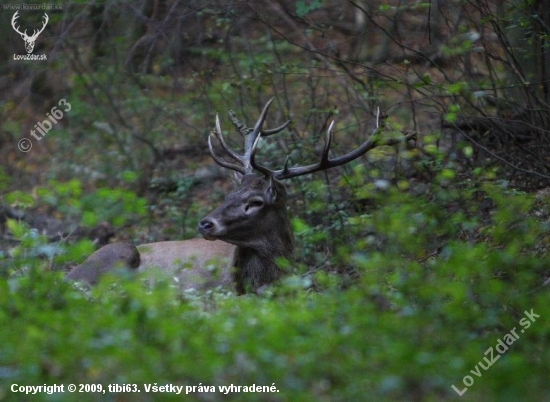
[421, 270]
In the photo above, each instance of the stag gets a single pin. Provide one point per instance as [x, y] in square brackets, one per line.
[245, 236]
[29, 40]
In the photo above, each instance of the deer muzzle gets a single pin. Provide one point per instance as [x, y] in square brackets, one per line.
[209, 229]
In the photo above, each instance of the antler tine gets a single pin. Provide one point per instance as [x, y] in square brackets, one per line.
[219, 160]
[262, 169]
[251, 137]
[326, 163]
[219, 136]
[258, 126]
[328, 142]
[267, 133]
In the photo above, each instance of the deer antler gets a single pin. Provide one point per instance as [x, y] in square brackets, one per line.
[251, 138]
[325, 162]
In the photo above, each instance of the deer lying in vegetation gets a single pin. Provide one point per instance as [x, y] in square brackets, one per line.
[244, 236]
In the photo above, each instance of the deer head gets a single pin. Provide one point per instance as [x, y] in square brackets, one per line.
[29, 40]
[258, 205]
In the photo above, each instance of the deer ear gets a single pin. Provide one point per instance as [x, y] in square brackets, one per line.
[271, 189]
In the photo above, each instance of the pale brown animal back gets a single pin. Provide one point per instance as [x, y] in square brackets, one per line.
[194, 264]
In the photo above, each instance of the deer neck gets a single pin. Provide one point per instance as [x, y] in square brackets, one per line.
[256, 266]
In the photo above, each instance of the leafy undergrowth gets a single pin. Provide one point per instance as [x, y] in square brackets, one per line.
[444, 296]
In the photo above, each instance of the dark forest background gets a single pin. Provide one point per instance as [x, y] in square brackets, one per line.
[411, 261]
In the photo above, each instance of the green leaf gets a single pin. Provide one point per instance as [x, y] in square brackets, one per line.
[20, 199]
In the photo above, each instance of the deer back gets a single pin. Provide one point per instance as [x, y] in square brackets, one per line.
[194, 264]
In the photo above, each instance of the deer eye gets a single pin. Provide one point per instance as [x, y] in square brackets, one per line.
[254, 203]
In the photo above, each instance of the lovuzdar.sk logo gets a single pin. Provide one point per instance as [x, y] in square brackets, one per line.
[29, 39]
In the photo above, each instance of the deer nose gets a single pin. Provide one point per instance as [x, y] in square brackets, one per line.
[205, 225]
[207, 228]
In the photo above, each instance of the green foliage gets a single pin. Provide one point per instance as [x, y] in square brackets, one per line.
[20, 199]
[114, 205]
[453, 112]
[5, 179]
[438, 283]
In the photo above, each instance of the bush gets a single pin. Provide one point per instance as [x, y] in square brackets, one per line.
[440, 281]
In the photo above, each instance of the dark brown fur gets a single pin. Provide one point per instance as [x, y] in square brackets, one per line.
[261, 233]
